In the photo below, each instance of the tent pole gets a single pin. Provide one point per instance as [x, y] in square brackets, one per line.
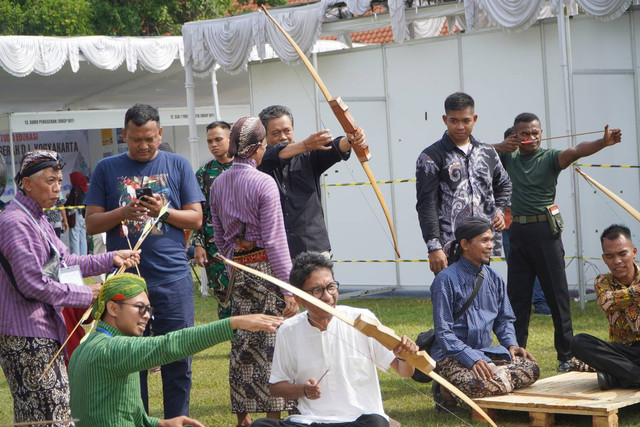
[565, 49]
[191, 108]
[214, 87]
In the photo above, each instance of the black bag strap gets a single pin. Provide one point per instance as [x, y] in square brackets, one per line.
[467, 304]
[12, 279]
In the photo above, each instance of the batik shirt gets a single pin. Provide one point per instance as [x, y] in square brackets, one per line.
[620, 304]
[205, 176]
[452, 186]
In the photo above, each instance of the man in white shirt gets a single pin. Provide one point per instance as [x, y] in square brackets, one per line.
[326, 364]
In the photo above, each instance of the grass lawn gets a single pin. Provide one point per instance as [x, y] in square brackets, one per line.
[405, 400]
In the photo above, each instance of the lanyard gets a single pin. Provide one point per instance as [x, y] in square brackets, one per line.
[46, 236]
[104, 331]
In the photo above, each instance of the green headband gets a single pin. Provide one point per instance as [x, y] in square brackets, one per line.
[118, 288]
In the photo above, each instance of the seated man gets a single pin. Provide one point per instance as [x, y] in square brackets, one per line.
[103, 371]
[617, 362]
[324, 363]
[462, 348]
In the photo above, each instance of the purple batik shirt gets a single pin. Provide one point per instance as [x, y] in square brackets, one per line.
[27, 250]
[244, 195]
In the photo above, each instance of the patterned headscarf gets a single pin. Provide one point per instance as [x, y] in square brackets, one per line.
[118, 288]
[35, 161]
[246, 136]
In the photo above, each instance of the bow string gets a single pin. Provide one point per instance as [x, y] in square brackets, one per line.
[346, 120]
[371, 328]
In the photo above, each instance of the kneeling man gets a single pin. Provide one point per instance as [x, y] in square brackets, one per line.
[103, 371]
[325, 363]
[617, 362]
[462, 348]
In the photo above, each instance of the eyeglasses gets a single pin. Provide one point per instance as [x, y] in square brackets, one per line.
[142, 309]
[318, 291]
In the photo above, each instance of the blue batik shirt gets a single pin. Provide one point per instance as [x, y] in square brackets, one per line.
[468, 339]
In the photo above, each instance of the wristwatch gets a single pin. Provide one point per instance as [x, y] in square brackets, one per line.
[164, 216]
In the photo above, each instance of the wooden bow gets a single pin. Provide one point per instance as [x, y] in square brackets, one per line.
[626, 206]
[371, 328]
[341, 111]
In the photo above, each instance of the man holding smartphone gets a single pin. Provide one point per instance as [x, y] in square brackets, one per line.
[127, 191]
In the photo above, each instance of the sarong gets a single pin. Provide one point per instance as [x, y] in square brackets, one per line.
[23, 361]
[507, 377]
[252, 352]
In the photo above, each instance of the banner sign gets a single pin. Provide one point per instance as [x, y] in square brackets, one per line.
[72, 145]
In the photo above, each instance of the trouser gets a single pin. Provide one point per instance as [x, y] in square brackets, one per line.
[538, 293]
[173, 310]
[366, 420]
[23, 361]
[78, 236]
[508, 376]
[618, 360]
[535, 252]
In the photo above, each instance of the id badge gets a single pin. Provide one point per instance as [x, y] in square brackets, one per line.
[71, 275]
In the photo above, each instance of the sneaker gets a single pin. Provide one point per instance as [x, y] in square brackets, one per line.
[574, 364]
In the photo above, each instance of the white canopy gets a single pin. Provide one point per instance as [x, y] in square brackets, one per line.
[79, 73]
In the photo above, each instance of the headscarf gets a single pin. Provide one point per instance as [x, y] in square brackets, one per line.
[246, 136]
[35, 161]
[118, 288]
[79, 180]
[467, 230]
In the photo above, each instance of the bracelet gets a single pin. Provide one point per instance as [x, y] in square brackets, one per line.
[304, 141]
[304, 390]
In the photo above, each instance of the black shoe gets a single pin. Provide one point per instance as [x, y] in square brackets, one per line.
[606, 381]
[564, 366]
[442, 403]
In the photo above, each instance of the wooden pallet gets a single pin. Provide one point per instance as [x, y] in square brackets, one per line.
[571, 393]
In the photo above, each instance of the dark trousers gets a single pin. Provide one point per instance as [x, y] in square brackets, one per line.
[618, 360]
[173, 310]
[366, 420]
[535, 252]
[538, 293]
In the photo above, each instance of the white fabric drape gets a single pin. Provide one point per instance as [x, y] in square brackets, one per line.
[302, 24]
[428, 27]
[606, 10]
[228, 41]
[509, 15]
[398, 22]
[23, 55]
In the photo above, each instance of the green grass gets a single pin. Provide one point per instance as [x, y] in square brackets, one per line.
[406, 401]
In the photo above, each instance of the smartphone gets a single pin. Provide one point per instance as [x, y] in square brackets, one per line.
[144, 193]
